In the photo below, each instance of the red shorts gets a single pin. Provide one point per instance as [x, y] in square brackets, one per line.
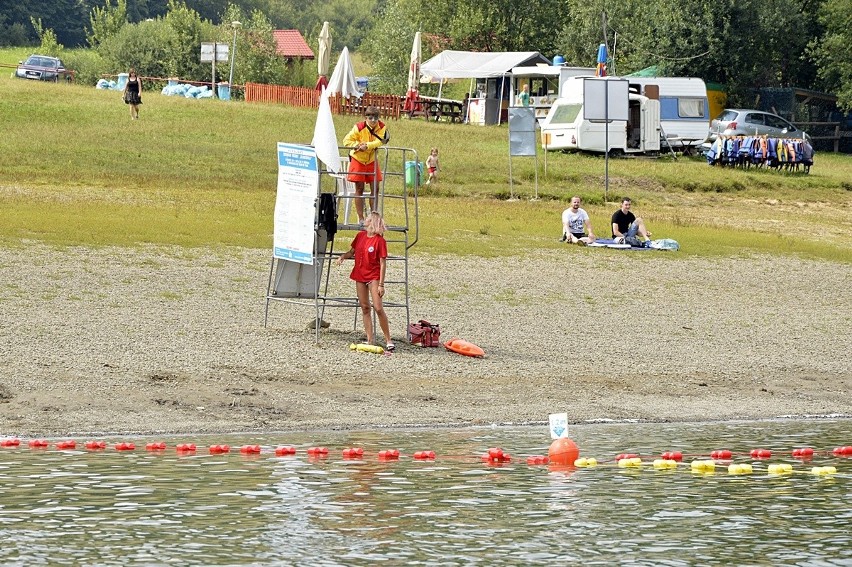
[360, 173]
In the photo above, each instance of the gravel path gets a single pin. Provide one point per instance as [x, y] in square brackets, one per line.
[172, 340]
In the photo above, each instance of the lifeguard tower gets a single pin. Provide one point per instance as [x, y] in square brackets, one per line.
[315, 223]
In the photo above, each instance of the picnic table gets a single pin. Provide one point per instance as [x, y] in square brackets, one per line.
[437, 110]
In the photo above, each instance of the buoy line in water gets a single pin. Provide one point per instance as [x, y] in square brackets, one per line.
[562, 452]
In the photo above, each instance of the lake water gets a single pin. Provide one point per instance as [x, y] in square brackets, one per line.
[111, 507]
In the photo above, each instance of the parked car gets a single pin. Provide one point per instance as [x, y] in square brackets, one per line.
[43, 68]
[747, 122]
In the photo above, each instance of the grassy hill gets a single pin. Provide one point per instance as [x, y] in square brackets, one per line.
[76, 170]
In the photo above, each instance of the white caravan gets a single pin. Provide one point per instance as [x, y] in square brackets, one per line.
[576, 119]
[684, 108]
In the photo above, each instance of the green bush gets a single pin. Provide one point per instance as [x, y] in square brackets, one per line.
[88, 65]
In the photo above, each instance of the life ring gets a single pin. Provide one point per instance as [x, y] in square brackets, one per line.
[464, 347]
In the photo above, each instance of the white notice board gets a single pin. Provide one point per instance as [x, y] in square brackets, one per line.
[298, 183]
[605, 99]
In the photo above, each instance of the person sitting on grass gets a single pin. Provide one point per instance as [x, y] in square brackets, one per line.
[625, 225]
[576, 225]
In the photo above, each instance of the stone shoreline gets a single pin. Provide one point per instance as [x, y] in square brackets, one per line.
[170, 340]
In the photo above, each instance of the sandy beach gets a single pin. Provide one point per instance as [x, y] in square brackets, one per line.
[172, 340]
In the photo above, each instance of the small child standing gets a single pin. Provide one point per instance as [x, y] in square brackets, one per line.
[432, 165]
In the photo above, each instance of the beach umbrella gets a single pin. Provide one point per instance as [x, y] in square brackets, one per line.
[600, 71]
[413, 74]
[323, 56]
[342, 80]
[325, 136]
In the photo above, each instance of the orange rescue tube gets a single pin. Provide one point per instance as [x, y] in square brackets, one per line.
[464, 347]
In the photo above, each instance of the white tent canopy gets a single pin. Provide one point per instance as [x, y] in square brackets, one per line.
[476, 65]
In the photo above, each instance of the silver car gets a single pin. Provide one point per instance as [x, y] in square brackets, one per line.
[748, 122]
[43, 68]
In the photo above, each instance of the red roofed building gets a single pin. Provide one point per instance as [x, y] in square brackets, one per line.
[291, 45]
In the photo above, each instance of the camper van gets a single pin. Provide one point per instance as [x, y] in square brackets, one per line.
[684, 108]
[577, 119]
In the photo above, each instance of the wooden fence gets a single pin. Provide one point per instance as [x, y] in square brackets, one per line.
[303, 97]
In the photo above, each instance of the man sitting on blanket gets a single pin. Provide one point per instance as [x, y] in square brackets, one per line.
[575, 223]
[625, 225]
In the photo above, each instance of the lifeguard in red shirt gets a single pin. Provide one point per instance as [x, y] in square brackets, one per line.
[370, 251]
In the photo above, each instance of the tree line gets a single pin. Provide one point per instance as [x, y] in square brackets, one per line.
[742, 44]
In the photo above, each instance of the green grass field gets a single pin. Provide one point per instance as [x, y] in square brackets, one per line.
[76, 170]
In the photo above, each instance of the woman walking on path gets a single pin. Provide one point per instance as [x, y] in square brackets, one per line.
[133, 93]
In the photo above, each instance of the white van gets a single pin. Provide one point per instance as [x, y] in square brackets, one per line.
[635, 129]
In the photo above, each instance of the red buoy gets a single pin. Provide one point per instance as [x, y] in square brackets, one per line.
[353, 453]
[155, 446]
[95, 445]
[284, 451]
[723, 454]
[38, 443]
[620, 456]
[317, 451]
[185, 447]
[537, 460]
[250, 449]
[424, 455]
[803, 453]
[10, 443]
[672, 456]
[389, 454]
[563, 451]
[760, 453]
[125, 446]
[219, 449]
[70, 444]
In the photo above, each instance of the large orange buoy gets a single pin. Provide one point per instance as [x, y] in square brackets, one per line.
[563, 451]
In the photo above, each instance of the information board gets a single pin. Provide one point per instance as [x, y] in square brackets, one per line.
[298, 184]
[522, 138]
[605, 99]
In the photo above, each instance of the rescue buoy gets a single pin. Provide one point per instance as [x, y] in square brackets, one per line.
[464, 347]
[374, 349]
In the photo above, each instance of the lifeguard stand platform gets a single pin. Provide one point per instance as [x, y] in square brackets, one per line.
[330, 223]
